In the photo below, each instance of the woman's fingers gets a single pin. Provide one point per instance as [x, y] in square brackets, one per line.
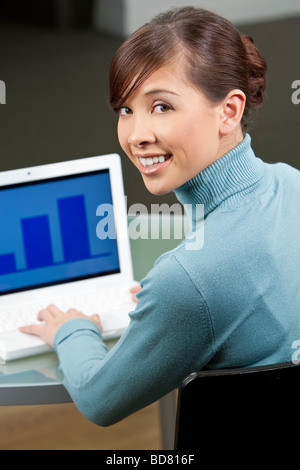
[134, 290]
[33, 329]
[96, 319]
[53, 318]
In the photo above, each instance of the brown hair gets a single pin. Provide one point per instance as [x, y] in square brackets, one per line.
[219, 58]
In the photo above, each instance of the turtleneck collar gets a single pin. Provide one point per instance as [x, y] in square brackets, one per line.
[235, 173]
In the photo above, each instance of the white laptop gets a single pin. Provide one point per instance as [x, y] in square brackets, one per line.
[63, 240]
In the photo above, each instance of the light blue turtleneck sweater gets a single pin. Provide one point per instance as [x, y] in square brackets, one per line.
[233, 302]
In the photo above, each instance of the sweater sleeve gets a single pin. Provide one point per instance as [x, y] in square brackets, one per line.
[169, 336]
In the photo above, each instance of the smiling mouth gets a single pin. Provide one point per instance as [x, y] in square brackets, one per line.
[153, 161]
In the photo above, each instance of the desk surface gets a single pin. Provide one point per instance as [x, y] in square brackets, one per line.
[38, 379]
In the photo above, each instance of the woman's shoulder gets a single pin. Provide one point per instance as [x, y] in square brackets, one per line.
[285, 172]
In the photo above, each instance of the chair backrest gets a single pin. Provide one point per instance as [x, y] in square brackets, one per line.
[256, 405]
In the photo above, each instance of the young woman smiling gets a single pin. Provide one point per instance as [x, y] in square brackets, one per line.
[171, 119]
[184, 86]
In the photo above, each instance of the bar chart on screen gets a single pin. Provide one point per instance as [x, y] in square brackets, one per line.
[37, 238]
[49, 233]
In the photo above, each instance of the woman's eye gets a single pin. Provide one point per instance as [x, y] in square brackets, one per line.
[124, 111]
[161, 108]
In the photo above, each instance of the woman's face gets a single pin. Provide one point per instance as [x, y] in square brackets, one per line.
[169, 130]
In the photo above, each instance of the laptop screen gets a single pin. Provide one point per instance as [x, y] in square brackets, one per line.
[48, 232]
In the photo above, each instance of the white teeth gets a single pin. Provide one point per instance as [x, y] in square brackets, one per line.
[149, 161]
[143, 161]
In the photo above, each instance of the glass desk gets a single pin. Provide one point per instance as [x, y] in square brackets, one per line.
[37, 380]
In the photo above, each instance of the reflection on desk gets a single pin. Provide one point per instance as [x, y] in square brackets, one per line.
[35, 370]
[28, 371]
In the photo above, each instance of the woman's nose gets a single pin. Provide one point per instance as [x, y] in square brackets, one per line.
[141, 135]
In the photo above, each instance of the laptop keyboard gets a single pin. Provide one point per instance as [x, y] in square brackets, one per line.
[107, 304]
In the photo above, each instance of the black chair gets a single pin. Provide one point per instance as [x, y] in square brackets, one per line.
[257, 405]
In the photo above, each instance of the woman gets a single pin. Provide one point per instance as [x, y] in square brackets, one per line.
[184, 86]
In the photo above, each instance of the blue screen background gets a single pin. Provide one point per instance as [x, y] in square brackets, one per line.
[48, 232]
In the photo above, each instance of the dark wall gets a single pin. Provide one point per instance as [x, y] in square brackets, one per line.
[49, 13]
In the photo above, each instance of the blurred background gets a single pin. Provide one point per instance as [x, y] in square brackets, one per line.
[54, 60]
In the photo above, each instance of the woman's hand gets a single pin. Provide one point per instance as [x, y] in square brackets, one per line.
[53, 319]
[134, 290]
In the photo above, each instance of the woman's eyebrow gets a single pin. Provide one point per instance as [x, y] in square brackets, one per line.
[160, 90]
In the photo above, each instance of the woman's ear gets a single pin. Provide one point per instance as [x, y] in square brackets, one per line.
[232, 111]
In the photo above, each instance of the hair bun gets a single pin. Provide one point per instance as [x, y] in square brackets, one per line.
[257, 69]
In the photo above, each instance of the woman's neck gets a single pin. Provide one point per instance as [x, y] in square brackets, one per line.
[230, 177]
[230, 141]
